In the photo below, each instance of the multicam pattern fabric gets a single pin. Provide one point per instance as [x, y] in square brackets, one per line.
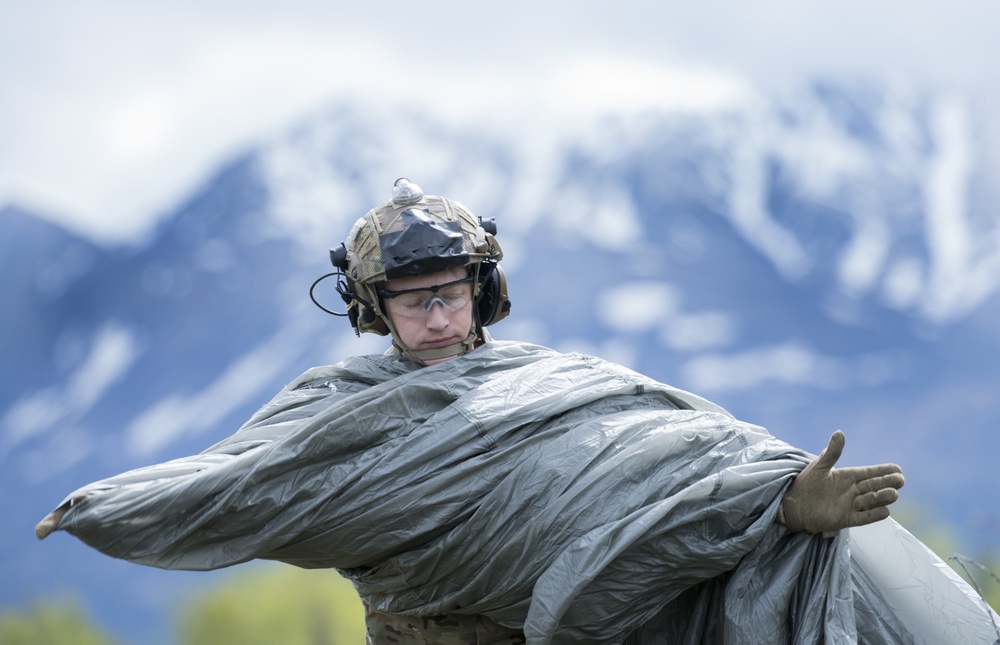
[448, 629]
[363, 240]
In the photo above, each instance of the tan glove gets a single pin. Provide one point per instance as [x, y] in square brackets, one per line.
[51, 521]
[823, 499]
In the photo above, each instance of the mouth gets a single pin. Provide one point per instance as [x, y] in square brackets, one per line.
[439, 342]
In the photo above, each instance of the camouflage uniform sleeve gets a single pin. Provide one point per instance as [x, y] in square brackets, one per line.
[447, 629]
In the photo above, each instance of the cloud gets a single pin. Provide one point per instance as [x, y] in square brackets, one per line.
[113, 110]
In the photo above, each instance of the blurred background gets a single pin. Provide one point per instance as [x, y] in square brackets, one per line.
[790, 208]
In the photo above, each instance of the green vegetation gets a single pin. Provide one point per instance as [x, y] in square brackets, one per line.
[274, 604]
[50, 623]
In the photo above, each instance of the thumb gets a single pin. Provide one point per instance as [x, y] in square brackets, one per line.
[831, 454]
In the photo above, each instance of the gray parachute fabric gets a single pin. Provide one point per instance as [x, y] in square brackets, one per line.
[559, 493]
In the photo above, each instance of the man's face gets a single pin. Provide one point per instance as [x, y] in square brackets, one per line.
[430, 311]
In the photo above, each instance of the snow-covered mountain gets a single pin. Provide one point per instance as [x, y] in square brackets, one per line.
[827, 257]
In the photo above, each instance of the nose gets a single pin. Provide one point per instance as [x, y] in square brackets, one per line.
[437, 316]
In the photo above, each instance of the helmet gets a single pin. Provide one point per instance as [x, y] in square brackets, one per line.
[416, 234]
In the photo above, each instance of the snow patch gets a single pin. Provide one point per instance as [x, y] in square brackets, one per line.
[636, 307]
[963, 270]
[790, 363]
[113, 350]
[750, 215]
[178, 415]
[649, 305]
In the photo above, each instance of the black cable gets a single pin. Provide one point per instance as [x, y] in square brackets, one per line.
[312, 295]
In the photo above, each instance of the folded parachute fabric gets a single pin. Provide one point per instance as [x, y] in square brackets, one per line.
[557, 493]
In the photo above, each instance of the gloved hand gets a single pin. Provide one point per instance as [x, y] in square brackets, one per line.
[51, 521]
[823, 499]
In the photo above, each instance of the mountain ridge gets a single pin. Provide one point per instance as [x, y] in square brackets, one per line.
[731, 265]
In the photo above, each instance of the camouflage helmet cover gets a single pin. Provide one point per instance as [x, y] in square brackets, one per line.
[414, 234]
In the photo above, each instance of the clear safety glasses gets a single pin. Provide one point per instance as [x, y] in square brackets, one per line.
[418, 303]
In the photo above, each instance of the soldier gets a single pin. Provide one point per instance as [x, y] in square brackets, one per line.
[426, 270]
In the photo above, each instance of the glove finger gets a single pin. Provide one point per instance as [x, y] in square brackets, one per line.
[860, 518]
[45, 528]
[51, 521]
[875, 499]
[877, 470]
[867, 482]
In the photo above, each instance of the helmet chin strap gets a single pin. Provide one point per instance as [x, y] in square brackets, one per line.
[449, 351]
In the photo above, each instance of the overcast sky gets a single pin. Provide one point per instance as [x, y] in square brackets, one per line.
[112, 109]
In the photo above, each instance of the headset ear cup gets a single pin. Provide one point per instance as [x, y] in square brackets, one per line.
[372, 322]
[367, 316]
[493, 304]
